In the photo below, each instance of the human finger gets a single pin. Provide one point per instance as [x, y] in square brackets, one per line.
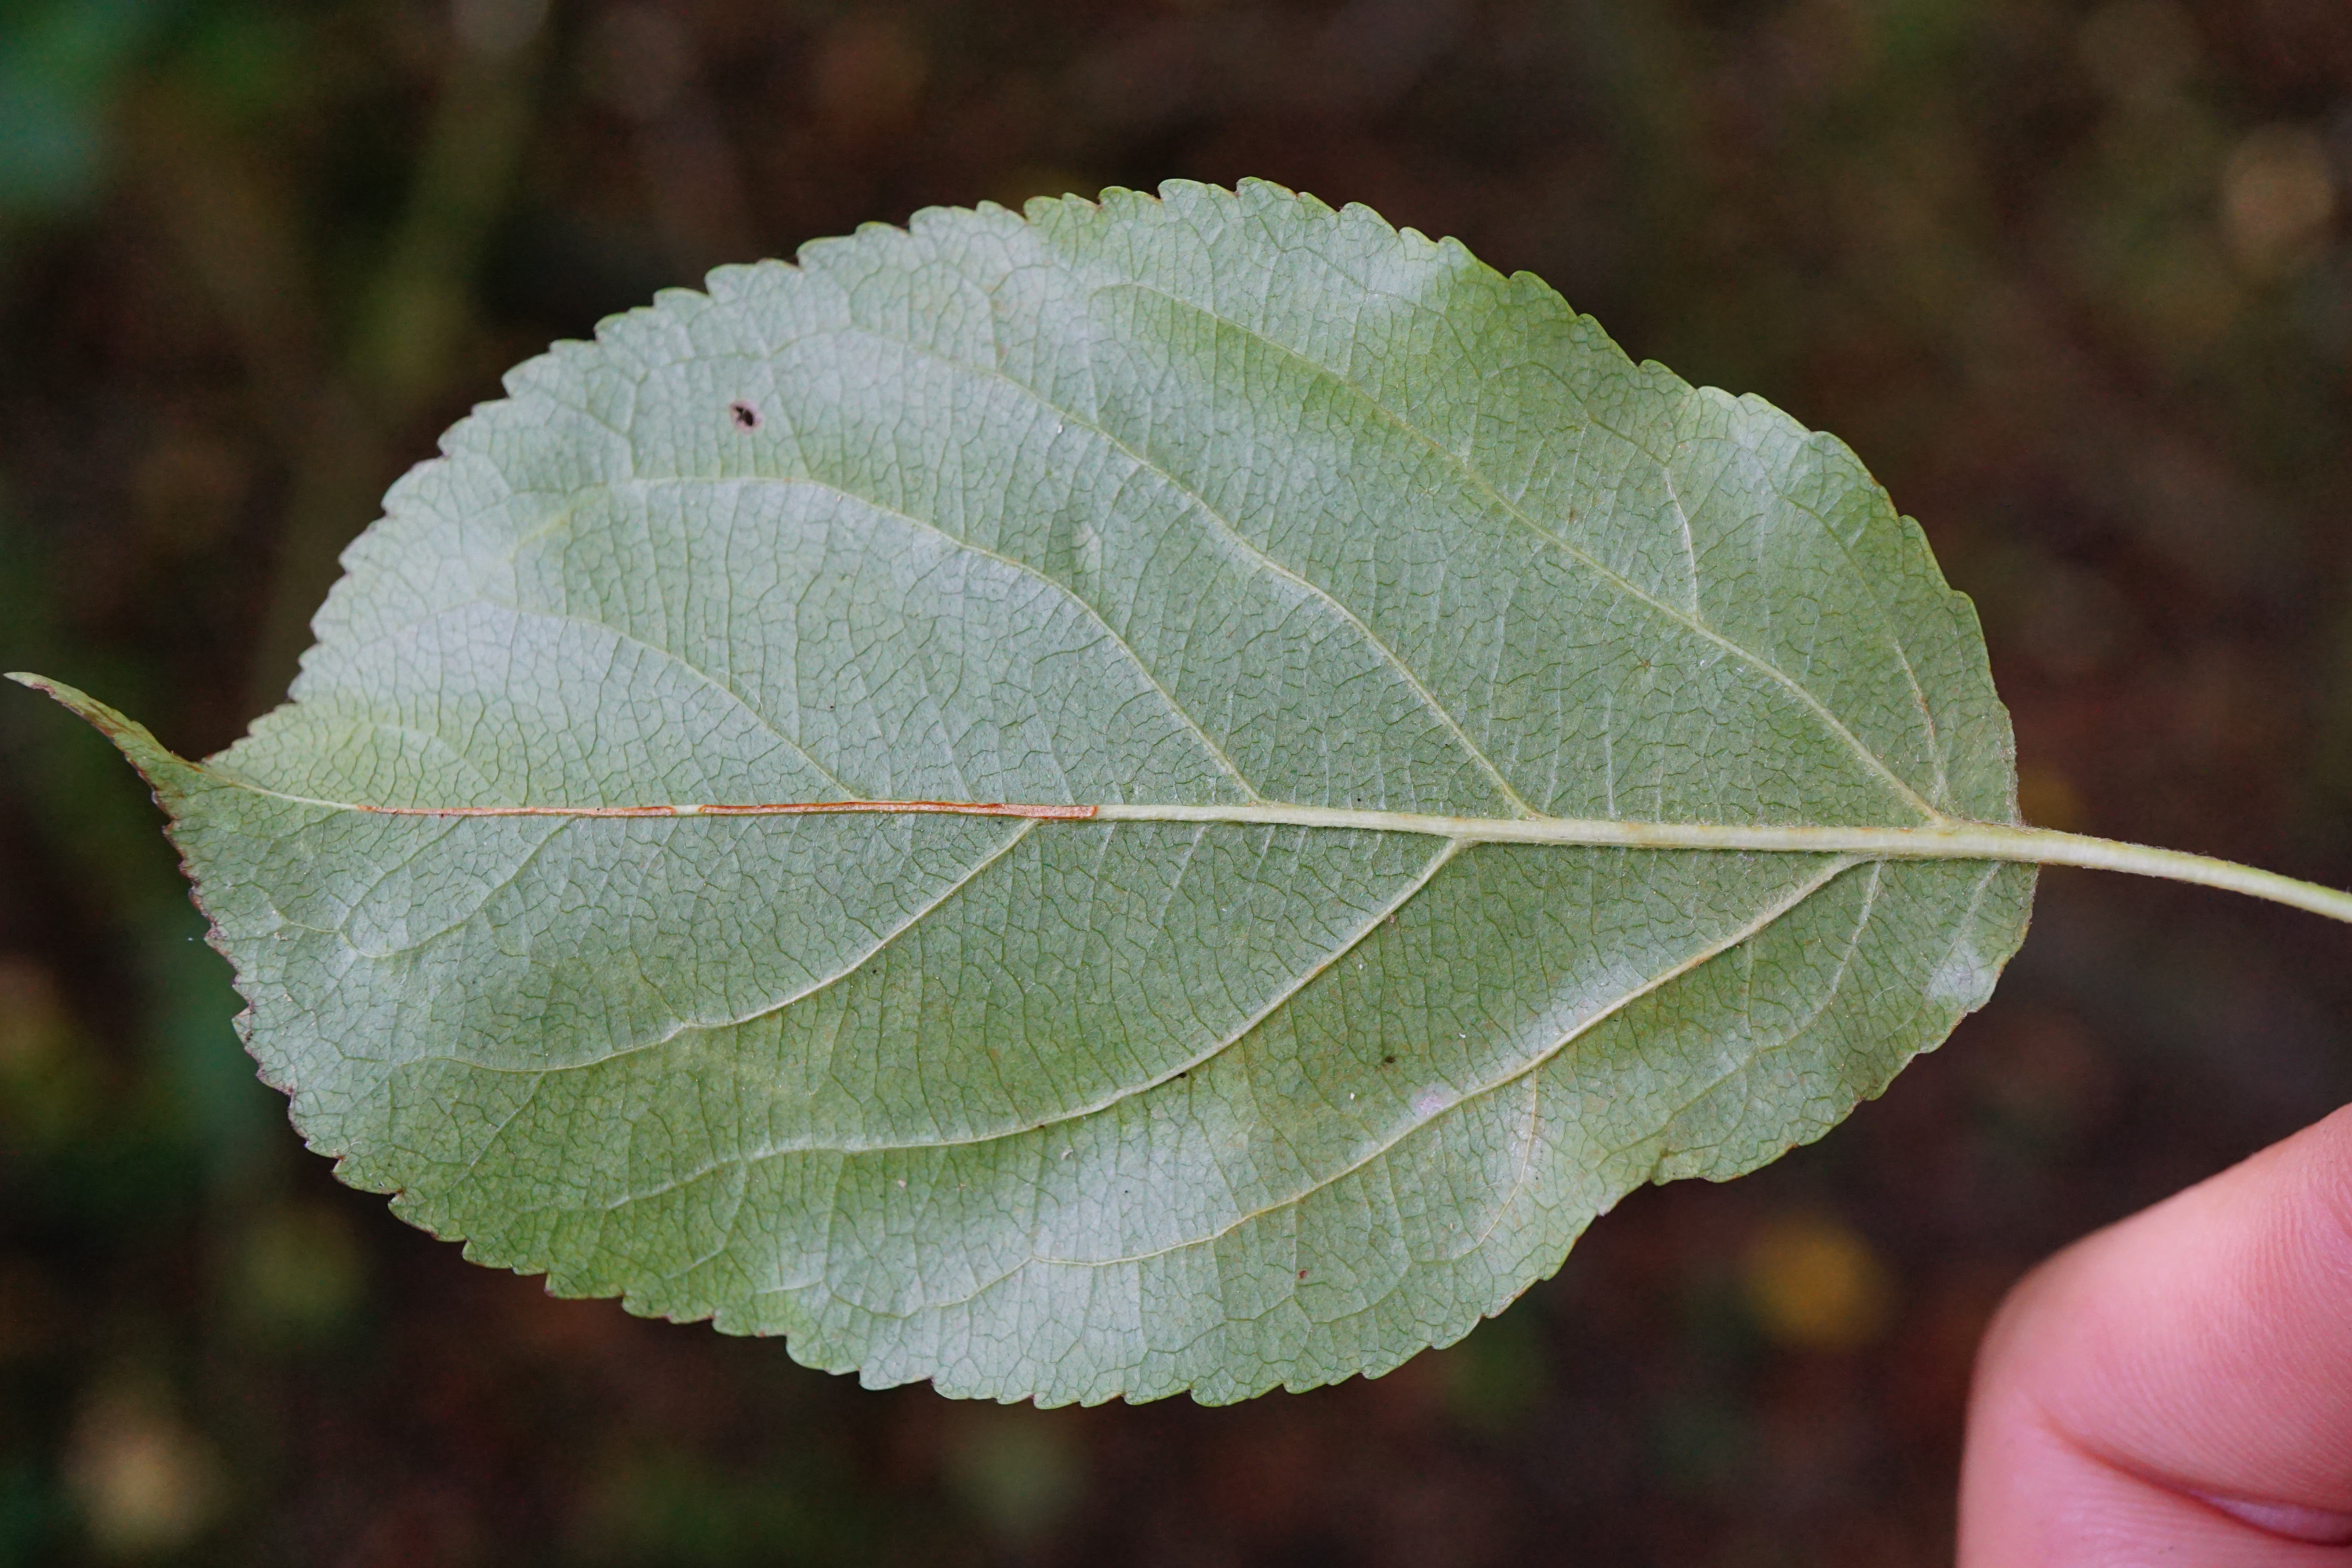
[2178, 1386]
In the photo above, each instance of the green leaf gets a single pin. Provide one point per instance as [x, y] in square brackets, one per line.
[1324, 563]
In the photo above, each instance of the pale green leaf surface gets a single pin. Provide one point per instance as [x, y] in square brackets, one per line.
[1223, 498]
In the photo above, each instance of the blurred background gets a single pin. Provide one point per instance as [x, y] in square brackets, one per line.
[2075, 279]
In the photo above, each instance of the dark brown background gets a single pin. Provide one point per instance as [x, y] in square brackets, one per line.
[2076, 280]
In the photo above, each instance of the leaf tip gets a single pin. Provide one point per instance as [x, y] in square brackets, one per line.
[155, 760]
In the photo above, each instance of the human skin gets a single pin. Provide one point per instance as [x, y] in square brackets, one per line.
[2177, 1387]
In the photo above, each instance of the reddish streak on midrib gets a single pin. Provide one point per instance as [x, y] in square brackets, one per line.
[790, 808]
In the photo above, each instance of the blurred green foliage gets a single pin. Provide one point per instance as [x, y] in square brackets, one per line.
[60, 68]
[2073, 276]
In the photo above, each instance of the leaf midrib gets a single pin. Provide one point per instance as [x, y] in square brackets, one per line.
[1947, 838]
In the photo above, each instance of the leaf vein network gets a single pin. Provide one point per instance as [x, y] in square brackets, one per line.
[1762, 921]
[1242, 1031]
[1471, 474]
[1226, 526]
[1538, 1060]
[768, 1009]
[1216, 752]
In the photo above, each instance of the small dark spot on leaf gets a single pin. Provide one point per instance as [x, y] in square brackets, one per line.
[1302, 1274]
[746, 417]
[1388, 1061]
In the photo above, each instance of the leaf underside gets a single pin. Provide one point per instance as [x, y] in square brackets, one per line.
[1214, 498]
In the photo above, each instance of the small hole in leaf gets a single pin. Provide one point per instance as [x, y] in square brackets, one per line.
[746, 417]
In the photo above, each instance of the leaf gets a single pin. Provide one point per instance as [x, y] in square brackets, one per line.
[1317, 557]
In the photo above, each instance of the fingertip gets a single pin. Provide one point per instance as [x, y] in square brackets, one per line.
[2192, 1363]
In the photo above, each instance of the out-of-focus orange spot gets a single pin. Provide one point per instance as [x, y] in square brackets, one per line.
[146, 1481]
[2049, 799]
[1813, 1284]
[2278, 193]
